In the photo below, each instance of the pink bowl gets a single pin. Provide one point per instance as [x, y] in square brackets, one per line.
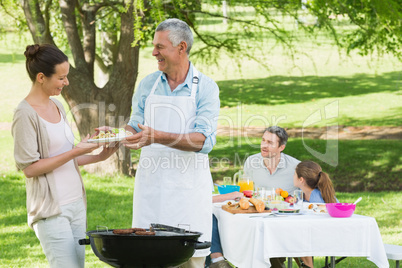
[340, 210]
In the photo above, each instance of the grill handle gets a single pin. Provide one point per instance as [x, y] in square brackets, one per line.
[202, 245]
[84, 241]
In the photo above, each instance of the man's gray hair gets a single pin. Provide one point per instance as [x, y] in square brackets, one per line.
[280, 132]
[179, 31]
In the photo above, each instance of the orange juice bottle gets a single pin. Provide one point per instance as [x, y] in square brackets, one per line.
[246, 185]
[250, 185]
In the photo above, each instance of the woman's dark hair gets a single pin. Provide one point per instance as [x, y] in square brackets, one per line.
[43, 59]
[316, 178]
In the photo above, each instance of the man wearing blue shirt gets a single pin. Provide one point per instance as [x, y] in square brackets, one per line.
[174, 118]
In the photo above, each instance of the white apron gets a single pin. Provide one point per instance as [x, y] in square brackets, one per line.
[173, 187]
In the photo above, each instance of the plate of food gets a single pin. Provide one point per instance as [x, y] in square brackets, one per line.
[316, 208]
[115, 134]
[292, 211]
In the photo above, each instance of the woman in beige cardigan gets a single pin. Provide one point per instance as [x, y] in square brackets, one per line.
[44, 150]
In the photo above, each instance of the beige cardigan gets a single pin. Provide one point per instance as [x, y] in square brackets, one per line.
[31, 143]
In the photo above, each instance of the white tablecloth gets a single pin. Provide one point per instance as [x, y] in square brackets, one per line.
[251, 242]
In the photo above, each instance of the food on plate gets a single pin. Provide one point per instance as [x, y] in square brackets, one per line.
[290, 199]
[317, 208]
[289, 210]
[243, 203]
[278, 191]
[115, 132]
[284, 194]
[278, 198]
[248, 193]
[144, 233]
[258, 204]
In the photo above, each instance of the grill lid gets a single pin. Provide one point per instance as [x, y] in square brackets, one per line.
[160, 230]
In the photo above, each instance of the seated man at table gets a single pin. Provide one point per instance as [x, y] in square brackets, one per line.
[270, 168]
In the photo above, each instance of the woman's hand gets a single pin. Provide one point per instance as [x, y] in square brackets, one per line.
[234, 195]
[85, 147]
[224, 197]
[108, 150]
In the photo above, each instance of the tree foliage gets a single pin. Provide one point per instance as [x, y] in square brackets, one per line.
[110, 33]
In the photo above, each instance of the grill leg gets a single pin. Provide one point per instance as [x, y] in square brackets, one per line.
[397, 264]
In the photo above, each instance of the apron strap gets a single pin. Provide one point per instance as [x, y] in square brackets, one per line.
[195, 82]
[155, 84]
[193, 87]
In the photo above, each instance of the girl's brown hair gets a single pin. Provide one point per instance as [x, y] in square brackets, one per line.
[43, 59]
[316, 178]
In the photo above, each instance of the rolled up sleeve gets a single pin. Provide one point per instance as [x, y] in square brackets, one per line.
[207, 113]
[138, 102]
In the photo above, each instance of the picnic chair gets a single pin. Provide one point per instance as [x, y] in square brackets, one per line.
[394, 252]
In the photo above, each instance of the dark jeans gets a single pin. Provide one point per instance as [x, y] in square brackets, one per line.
[216, 240]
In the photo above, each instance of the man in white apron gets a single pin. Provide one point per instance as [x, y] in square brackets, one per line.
[174, 116]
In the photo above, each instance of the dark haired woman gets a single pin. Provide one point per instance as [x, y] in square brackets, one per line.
[317, 188]
[44, 150]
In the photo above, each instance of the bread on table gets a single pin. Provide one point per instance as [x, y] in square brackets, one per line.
[244, 204]
[258, 204]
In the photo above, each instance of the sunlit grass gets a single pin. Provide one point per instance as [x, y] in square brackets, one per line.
[110, 205]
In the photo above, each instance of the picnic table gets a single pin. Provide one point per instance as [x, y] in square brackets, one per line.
[250, 241]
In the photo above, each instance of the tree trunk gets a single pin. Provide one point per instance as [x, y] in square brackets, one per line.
[90, 105]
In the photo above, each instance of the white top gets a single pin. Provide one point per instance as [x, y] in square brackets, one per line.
[68, 183]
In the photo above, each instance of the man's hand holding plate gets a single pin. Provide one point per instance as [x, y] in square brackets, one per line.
[143, 138]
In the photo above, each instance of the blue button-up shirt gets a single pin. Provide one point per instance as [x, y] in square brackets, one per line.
[207, 101]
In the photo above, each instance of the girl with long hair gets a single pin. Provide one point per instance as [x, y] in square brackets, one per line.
[317, 187]
[315, 183]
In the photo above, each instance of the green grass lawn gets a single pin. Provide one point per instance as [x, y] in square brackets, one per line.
[363, 165]
[316, 88]
[110, 204]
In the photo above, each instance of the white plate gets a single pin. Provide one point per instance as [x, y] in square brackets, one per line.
[289, 214]
[106, 140]
[317, 208]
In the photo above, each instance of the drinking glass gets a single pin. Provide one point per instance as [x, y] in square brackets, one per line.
[268, 195]
[260, 193]
[298, 195]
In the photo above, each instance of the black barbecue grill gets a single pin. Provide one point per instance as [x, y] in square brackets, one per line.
[170, 246]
